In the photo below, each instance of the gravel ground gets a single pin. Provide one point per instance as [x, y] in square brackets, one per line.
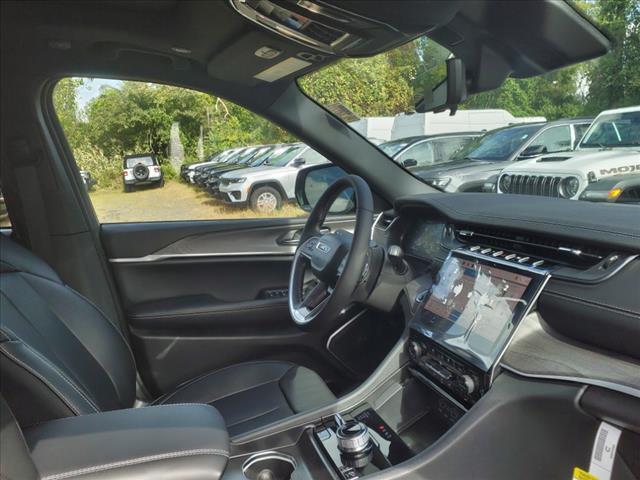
[174, 201]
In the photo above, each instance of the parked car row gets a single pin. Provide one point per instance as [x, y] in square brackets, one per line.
[262, 177]
[568, 158]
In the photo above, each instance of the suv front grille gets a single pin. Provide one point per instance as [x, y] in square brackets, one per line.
[542, 185]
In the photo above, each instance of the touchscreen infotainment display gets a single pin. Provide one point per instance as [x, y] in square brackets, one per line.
[475, 305]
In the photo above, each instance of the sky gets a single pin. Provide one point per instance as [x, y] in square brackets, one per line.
[91, 89]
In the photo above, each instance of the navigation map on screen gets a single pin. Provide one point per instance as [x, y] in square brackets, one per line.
[473, 308]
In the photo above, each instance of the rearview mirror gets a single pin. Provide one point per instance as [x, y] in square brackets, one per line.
[312, 182]
[449, 93]
[410, 162]
[532, 151]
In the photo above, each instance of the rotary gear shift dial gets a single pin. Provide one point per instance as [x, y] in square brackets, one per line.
[353, 436]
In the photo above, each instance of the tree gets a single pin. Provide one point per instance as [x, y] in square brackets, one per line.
[65, 100]
[614, 79]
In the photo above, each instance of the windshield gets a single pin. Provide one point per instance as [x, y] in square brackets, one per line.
[497, 146]
[614, 130]
[515, 126]
[148, 161]
[285, 156]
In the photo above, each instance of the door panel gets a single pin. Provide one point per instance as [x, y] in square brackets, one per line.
[202, 295]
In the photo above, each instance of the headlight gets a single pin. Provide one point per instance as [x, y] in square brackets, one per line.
[440, 182]
[236, 180]
[570, 187]
[505, 183]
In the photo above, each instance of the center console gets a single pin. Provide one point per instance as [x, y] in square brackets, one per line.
[461, 325]
[465, 322]
[360, 443]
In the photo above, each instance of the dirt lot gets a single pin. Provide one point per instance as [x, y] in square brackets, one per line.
[175, 201]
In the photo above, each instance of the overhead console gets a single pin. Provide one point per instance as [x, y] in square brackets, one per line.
[322, 26]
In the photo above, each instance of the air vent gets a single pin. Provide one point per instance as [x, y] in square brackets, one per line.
[557, 251]
[553, 159]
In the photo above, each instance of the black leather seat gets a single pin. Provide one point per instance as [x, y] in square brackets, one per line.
[60, 356]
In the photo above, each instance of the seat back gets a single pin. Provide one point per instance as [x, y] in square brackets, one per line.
[59, 354]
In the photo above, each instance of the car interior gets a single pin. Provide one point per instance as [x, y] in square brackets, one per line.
[325, 347]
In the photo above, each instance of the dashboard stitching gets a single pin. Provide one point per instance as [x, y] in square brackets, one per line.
[445, 208]
[622, 311]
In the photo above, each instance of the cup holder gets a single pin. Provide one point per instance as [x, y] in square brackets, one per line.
[269, 466]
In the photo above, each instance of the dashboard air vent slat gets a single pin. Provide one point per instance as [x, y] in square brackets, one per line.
[565, 252]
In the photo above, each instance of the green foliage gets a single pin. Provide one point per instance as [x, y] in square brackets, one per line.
[614, 79]
[106, 170]
[367, 87]
[168, 171]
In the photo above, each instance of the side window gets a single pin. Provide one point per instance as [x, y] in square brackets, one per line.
[151, 152]
[422, 153]
[445, 148]
[311, 157]
[556, 139]
[4, 214]
[580, 129]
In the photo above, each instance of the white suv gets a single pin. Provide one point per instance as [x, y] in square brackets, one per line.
[141, 169]
[610, 147]
[267, 187]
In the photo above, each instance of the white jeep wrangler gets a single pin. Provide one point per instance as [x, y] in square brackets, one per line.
[610, 147]
[141, 169]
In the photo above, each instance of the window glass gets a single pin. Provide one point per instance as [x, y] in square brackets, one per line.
[580, 129]
[446, 148]
[614, 130]
[498, 145]
[4, 214]
[151, 152]
[557, 139]
[421, 152]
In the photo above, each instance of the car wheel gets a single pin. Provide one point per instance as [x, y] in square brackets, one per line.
[128, 188]
[266, 200]
[161, 183]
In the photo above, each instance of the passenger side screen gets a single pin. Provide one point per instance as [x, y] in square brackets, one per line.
[476, 304]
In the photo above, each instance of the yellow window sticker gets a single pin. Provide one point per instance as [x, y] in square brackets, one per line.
[579, 474]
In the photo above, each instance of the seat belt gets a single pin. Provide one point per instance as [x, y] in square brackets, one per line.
[25, 167]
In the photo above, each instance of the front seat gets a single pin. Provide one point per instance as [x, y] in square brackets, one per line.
[60, 356]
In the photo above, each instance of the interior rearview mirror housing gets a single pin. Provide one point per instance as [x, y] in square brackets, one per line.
[449, 93]
[311, 183]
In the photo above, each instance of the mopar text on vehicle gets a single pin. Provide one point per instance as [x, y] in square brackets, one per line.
[610, 148]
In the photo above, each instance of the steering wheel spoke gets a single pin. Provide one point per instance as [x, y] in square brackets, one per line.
[314, 297]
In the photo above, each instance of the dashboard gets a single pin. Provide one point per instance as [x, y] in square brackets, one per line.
[481, 289]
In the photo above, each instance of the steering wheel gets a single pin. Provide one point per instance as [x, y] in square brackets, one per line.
[336, 261]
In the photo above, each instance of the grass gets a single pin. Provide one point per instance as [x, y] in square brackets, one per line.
[174, 201]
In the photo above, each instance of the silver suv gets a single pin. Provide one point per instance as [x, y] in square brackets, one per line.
[267, 187]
